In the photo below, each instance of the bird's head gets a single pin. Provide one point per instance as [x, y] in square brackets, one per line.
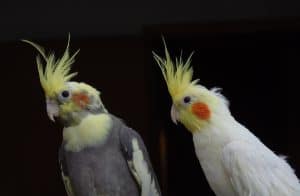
[193, 104]
[66, 100]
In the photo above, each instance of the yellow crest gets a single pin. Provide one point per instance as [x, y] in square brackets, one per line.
[179, 76]
[56, 72]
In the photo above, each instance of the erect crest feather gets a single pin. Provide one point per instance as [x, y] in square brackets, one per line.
[179, 76]
[56, 72]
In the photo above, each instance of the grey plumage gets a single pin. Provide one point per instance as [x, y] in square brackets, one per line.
[100, 155]
[105, 169]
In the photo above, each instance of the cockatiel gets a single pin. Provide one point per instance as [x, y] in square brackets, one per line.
[234, 161]
[100, 155]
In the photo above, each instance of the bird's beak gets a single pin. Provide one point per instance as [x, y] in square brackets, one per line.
[174, 114]
[52, 109]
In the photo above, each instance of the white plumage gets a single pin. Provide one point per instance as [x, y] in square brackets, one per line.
[236, 163]
[142, 172]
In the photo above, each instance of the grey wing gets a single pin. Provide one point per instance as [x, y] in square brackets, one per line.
[64, 173]
[138, 161]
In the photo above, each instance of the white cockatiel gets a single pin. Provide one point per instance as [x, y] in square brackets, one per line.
[235, 162]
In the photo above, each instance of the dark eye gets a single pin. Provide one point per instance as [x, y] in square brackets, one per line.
[65, 94]
[187, 99]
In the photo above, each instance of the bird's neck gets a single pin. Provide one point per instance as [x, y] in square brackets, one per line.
[222, 129]
[218, 130]
[92, 130]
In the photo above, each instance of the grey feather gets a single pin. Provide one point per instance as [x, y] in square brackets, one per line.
[104, 169]
[64, 174]
[139, 163]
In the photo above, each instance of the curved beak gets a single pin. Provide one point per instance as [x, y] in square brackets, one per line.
[52, 109]
[174, 114]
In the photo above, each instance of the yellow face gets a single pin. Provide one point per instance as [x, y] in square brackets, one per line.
[192, 104]
[70, 101]
[61, 103]
[193, 108]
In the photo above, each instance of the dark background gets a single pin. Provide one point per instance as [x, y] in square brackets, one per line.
[249, 48]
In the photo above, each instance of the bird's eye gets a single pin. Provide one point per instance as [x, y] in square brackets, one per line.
[187, 99]
[65, 94]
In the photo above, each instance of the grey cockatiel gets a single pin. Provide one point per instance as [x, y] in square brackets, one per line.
[100, 155]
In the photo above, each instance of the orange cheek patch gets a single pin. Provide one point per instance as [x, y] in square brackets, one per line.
[80, 99]
[201, 110]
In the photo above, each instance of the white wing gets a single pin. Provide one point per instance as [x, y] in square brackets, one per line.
[254, 170]
[143, 173]
[139, 163]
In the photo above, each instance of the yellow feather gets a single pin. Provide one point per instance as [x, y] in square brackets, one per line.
[56, 72]
[92, 130]
[178, 76]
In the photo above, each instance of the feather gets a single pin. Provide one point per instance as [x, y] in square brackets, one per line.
[144, 176]
[57, 71]
[255, 170]
[178, 75]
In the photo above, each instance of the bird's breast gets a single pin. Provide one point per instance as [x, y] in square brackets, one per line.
[105, 166]
[209, 155]
[92, 130]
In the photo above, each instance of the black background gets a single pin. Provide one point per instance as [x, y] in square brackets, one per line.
[251, 50]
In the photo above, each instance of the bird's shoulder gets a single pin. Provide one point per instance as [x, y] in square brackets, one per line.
[126, 133]
[138, 160]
